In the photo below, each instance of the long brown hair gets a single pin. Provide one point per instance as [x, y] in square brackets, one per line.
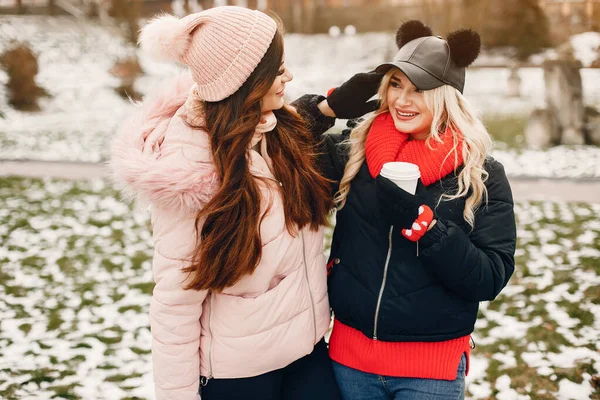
[229, 244]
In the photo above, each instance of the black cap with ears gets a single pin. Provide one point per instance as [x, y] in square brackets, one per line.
[430, 61]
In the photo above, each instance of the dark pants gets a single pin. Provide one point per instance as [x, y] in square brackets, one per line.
[309, 378]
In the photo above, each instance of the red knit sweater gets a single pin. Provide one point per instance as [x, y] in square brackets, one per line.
[430, 360]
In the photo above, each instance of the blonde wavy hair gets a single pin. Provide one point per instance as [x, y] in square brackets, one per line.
[450, 109]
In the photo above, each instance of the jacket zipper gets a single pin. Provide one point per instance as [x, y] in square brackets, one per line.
[210, 363]
[204, 380]
[312, 303]
[385, 270]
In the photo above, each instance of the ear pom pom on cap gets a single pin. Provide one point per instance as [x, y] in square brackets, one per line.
[165, 38]
[410, 31]
[465, 45]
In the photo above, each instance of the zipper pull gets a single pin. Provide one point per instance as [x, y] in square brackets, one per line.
[204, 380]
[417, 248]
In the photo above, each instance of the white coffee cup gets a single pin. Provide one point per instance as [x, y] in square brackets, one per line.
[405, 175]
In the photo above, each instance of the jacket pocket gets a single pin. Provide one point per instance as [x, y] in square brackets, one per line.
[236, 316]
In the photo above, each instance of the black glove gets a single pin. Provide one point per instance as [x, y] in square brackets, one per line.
[307, 107]
[351, 99]
[398, 207]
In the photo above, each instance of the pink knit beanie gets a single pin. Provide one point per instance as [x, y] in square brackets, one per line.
[221, 46]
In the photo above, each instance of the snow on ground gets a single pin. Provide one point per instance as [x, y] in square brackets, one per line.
[75, 275]
[586, 47]
[78, 120]
[83, 109]
[557, 162]
[75, 285]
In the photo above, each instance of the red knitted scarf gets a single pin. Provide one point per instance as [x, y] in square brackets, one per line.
[385, 143]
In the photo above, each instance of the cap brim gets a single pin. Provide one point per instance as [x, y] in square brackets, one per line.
[422, 79]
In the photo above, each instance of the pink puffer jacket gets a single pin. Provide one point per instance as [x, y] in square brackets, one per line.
[264, 322]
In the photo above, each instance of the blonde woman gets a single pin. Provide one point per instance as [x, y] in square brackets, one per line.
[407, 272]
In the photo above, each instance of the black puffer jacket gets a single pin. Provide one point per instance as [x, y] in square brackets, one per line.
[427, 294]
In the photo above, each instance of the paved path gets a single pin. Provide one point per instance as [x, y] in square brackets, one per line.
[523, 189]
[66, 170]
[587, 191]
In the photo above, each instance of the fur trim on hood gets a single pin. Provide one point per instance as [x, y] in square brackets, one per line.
[157, 158]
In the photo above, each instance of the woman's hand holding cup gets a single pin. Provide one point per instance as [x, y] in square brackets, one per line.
[396, 186]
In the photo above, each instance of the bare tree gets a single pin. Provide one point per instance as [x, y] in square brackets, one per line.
[21, 66]
[521, 24]
[20, 8]
[128, 13]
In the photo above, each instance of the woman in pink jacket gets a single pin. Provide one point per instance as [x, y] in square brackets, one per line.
[240, 305]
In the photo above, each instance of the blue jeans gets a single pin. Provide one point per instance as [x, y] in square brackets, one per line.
[358, 385]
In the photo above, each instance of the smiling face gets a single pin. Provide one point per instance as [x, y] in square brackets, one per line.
[273, 100]
[407, 106]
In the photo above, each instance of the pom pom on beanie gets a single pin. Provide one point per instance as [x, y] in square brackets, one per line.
[165, 38]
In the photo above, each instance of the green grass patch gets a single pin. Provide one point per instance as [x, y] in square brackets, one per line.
[83, 346]
[110, 266]
[585, 317]
[33, 262]
[108, 366]
[146, 287]
[43, 346]
[25, 328]
[42, 375]
[16, 291]
[590, 264]
[523, 376]
[54, 320]
[65, 391]
[135, 308]
[109, 340]
[137, 350]
[121, 377]
[508, 130]
[138, 259]
[593, 293]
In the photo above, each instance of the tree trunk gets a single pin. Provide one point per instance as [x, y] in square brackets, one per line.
[309, 10]
[514, 83]
[541, 131]
[51, 7]
[206, 4]
[592, 124]
[564, 98]
[296, 8]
